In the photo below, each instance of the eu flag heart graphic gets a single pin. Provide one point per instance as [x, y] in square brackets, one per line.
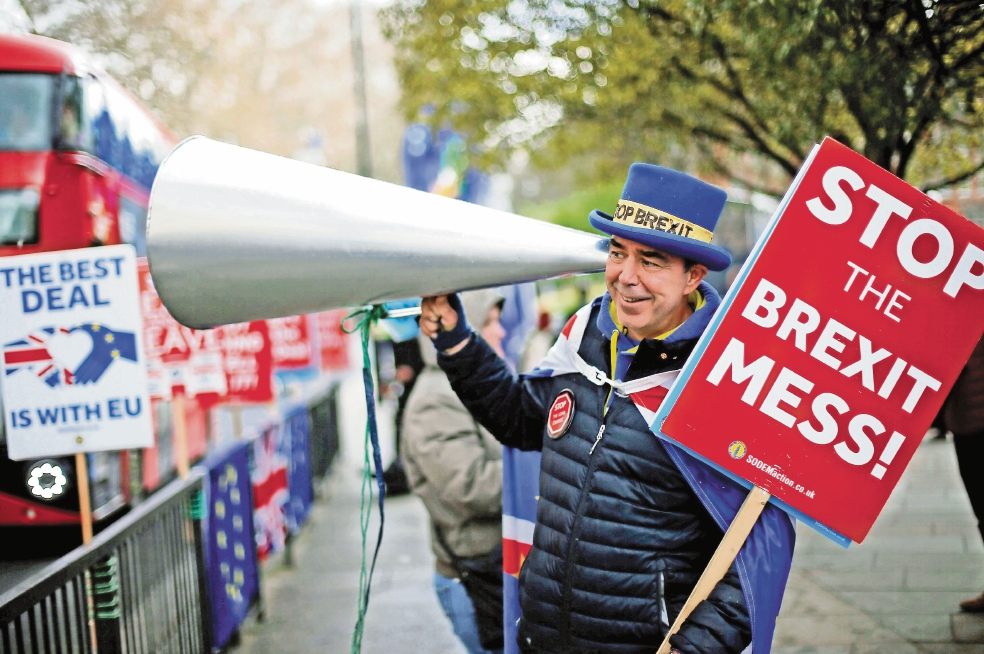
[60, 355]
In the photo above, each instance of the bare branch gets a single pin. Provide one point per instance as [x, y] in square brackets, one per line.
[30, 17]
[907, 148]
[730, 173]
[738, 91]
[750, 131]
[917, 12]
[956, 179]
[760, 143]
[974, 56]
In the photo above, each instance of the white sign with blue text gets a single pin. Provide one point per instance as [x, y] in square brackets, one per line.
[74, 372]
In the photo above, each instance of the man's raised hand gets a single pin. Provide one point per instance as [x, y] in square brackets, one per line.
[443, 321]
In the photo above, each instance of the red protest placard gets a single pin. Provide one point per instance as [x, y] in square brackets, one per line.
[179, 359]
[156, 321]
[332, 341]
[232, 363]
[831, 358]
[290, 342]
[248, 362]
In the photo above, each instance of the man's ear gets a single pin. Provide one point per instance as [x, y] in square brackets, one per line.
[695, 276]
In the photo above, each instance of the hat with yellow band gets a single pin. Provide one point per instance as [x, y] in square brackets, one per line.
[669, 211]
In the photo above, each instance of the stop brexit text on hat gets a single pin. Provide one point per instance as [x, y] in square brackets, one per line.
[837, 344]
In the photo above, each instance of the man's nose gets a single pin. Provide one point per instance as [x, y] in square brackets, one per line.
[628, 275]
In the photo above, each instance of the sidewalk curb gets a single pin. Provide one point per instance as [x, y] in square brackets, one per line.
[967, 627]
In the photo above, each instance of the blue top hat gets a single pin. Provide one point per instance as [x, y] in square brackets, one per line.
[670, 211]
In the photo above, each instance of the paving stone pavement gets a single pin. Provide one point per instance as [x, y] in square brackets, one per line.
[311, 605]
[896, 593]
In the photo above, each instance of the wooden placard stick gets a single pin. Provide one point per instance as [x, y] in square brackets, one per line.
[723, 557]
[180, 435]
[85, 506]
[236, 413]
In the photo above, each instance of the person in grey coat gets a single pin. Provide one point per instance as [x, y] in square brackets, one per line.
[455, 467]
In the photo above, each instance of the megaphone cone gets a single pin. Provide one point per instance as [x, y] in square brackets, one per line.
[236, 235]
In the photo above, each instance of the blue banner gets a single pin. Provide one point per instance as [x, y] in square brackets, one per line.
[440, 165]
[297, 431]
[230, 550]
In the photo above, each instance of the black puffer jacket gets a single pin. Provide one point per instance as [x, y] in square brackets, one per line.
[620, 539]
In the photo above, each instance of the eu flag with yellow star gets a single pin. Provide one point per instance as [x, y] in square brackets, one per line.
[230, 552]
[107, 346]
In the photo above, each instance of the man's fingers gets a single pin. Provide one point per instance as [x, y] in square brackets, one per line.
[425, 320]
[448, 316]
[436, 315]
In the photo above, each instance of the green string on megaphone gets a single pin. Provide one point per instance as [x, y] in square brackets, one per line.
[367, 316]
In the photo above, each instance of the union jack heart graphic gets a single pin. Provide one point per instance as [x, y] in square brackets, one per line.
[69, 356]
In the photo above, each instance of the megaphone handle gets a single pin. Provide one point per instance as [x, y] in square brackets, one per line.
[408, 312]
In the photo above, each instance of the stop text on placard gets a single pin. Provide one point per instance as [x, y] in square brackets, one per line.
[969, 270]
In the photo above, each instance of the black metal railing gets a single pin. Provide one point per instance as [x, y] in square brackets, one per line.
[139, 587]
[323, 439]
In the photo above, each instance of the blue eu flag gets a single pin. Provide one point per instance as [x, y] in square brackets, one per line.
[107, 347]
[230, 553]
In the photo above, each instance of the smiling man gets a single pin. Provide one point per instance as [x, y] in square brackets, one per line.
[626, 523]
[647, 287]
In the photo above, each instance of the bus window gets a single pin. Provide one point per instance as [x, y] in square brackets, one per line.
[19, 216]
[73, 132]
[25, 111]
[133, 225]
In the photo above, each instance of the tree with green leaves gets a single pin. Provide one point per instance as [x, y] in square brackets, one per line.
[740, 88]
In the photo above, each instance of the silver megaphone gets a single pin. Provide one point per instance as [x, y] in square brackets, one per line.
[235, 235]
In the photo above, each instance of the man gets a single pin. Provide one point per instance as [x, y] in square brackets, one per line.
[963, 414]
[625, 522]
[455, 467]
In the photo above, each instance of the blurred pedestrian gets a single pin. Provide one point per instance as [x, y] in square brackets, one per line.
[964, 416]
[538, 343]
[455, 466]
[519, 319]
[406, 355]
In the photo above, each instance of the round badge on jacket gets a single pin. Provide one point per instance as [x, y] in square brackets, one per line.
[561, 414]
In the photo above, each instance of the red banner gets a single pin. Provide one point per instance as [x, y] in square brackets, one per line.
[247, 361]
[332, 341]
[179, 359]
[226, 364]
[839, 346]
[291, 342]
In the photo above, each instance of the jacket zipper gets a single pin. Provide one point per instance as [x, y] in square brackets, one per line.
[601, 432]
[565, 624]
[664, 617]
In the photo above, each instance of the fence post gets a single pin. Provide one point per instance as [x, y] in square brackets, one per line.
[196, 513]
[106, 602]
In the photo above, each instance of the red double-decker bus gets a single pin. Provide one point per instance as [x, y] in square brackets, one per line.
[78, 155]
